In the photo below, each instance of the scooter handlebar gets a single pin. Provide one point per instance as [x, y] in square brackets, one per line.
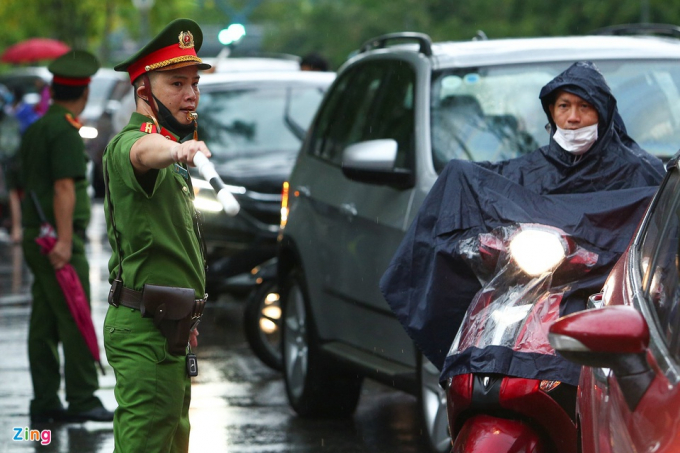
[224, 196]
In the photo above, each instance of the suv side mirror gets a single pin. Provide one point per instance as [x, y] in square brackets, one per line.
[373, 162]
[613, 337]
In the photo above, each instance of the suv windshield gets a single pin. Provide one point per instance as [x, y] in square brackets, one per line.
[247, 121]
[494, 113]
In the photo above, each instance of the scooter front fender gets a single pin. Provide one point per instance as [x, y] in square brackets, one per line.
[487, 434]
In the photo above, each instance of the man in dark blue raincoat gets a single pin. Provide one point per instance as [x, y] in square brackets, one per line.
[592, 180]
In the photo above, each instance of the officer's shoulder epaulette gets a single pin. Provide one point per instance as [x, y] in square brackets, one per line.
[151, 128]
[148, 128]
[72, 121]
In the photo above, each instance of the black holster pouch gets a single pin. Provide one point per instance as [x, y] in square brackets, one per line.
[171, 309]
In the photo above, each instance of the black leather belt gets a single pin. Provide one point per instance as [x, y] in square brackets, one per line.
[129, 298]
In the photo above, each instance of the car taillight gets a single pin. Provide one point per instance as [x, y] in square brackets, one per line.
[284, 204]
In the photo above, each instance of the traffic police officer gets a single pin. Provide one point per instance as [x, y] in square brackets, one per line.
[157, 253]
[53, 169]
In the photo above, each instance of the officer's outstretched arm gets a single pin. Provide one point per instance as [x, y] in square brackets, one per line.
[154, 151]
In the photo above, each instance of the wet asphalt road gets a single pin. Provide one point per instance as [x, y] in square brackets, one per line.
[238, 404]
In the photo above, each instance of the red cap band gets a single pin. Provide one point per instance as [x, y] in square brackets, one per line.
[161, 58]
[71, 81]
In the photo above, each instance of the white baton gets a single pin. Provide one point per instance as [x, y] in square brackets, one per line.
[207, 170]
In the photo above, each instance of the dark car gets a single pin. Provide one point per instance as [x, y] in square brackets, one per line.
[629, 340]
[254, 124]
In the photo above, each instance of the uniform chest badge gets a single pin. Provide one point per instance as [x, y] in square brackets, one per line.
[72, 121]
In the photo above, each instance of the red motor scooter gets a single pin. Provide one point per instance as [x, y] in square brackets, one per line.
[525, 271]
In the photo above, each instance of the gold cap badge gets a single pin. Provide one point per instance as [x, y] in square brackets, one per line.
[186, 40]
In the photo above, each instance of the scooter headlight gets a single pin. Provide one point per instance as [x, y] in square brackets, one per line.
[537, 251]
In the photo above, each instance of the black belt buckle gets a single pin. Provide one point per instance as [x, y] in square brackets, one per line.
[114, 293]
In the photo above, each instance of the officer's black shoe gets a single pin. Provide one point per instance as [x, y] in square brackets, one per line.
[98, 414]
[53, 416]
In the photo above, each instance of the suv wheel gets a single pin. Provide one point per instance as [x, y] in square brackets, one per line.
[262, 324]
[432, 399]
[313, 387]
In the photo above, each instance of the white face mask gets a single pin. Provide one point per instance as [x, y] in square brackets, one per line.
[576, 141]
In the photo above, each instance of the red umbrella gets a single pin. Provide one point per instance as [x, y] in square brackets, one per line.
[34, 49]
[70, 286]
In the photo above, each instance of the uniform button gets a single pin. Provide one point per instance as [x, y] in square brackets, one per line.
[184, 188]
[111, 330]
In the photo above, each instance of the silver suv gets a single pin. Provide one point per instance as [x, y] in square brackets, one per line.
[399, 110]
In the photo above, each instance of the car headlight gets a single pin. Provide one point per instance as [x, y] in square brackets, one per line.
[537, 251]
[88, 132]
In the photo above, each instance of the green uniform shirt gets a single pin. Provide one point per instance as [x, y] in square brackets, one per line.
[155, 224]
[52, 149]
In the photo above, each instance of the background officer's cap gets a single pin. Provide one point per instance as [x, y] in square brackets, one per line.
[174, 47]
[74, 68]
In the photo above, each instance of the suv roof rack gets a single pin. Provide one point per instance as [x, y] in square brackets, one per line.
[380, 42]
[640, 29]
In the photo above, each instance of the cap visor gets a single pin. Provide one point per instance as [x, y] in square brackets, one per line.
[183, 64]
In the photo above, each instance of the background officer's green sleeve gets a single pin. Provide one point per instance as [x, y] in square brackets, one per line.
[120, 165]
[67, 157]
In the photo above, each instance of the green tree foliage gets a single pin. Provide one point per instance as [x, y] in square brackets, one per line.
[334, 28]
[95, 25]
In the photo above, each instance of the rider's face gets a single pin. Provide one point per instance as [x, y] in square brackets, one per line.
[572, 112]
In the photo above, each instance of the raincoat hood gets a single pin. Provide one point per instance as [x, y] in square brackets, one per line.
[585, 81]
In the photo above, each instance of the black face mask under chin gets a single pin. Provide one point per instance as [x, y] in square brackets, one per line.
[169, 122]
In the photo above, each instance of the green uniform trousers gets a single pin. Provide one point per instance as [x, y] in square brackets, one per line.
[152, 389]
[51, 322]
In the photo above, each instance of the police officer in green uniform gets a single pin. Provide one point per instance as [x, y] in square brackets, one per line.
[52, 169]
[157, 254]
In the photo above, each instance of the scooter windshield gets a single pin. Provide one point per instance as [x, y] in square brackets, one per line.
[524, 270]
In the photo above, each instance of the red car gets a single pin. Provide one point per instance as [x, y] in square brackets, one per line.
[629, 340]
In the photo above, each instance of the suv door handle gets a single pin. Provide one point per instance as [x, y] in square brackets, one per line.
[348, 209]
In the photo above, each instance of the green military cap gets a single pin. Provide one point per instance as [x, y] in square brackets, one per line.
[74, 68]
[174, 47]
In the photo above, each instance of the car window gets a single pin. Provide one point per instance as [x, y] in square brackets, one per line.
[659, 260]
[494, 113]
[243, 122]
[372, 101]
